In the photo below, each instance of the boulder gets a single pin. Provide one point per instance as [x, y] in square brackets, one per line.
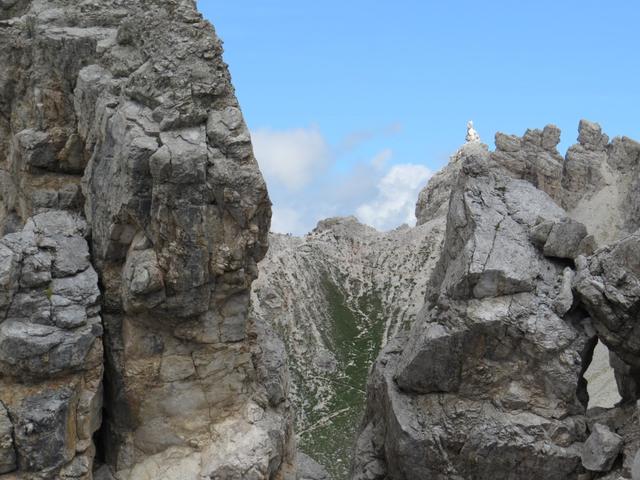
[309, 469]
[565, 239]
[601, 449]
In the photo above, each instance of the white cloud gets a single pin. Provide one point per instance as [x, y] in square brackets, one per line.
[394, 203]
[307, 185]
[287, 220]
[292, 157]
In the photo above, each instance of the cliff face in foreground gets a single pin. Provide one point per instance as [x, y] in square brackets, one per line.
[133, 215]
[490, 381]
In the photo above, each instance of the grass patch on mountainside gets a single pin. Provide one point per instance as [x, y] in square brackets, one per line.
[354, 336]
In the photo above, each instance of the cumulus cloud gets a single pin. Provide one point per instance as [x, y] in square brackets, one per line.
[308, 182]
[396, 195]
[291, 158]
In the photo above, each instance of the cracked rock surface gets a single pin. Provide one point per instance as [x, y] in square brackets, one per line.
[488, 382]
[134, 214]
[51, 357]
[539, 262]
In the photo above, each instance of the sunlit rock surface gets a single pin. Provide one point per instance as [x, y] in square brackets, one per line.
[135, 214]
[490, 382]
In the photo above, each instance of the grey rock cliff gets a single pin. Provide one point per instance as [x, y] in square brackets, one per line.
[433, 200]
[490, 382]
[488, 367]
[596, 182]
[608, 283]
[601, 185]
[50, 349]
[533, 157]
[123, 116]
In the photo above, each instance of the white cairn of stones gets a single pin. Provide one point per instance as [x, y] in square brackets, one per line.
[472, 135]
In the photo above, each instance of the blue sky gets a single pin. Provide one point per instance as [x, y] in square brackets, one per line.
[353, 104]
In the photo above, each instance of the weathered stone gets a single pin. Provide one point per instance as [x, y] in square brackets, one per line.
[7, 450]
[309, 469]
[540, 232]
[44, 433]
[432, 361]
[433, 200]
[243, 451]
[103, 473]
[627, 378]
[459, 397]
[533, 158]
[125, 115]
[493, 253]
[565, 239]
[601, 449]
[36, 149]
[50, 348]
[564, 300]
[635, 469]
[591, 136]
[270, 358]
[608, 284]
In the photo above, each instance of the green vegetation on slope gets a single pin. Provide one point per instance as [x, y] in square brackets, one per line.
[355, 337]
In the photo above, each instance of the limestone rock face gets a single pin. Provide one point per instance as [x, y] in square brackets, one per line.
[118, 123]
[7, 450]
[597, 182]
[601, 449]
[539, 262]
[608, 283]
[50, 349]
[489, 368]
[433, 200]
[533, 158]
[583, 170]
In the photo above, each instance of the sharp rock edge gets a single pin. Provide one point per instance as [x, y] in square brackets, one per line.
[133, 213]
[479, 311]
